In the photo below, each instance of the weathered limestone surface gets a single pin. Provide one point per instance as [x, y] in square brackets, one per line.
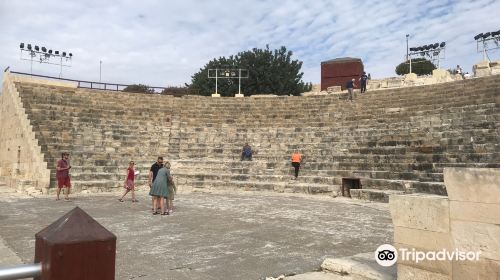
[482, 69]
[467, 220]
[495, 67]
[473, 185]
[21, 161]
[408, 272]
[394, 140]
[420, 212]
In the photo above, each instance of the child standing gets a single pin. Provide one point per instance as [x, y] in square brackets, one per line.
[172, 189]
[129, 182]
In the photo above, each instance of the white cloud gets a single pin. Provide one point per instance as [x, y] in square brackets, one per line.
[164, 42]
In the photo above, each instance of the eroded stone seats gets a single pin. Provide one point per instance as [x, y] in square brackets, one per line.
[396, 141]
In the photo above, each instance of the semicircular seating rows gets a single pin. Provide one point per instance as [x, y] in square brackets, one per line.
[394, 140]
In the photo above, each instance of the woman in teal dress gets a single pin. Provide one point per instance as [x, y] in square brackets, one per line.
[159, 190]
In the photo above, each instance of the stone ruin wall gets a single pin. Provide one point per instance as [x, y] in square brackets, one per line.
[21, 160]
[467, 220]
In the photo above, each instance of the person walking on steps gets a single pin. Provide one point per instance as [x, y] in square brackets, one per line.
[363, 80]
[296, 160]
[350, 88]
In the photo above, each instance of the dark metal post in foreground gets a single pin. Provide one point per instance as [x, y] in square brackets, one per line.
[76, 247]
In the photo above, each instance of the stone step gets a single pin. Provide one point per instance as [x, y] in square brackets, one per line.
[374, 194]
[291, 186]
[361, 266]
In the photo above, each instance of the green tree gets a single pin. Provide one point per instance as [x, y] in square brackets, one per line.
[176, 91]
[419, 66]
[269, 72]
[138, 88]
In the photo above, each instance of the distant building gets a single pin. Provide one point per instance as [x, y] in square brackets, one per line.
[336, 72]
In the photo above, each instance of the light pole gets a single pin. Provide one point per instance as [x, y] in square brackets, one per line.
[100, 70]
[408, 58]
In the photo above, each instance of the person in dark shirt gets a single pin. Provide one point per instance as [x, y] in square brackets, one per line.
[350, 87]
[363, 80]
[153, 171]
[246, 152]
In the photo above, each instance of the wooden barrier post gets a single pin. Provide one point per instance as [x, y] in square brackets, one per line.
[76, 247]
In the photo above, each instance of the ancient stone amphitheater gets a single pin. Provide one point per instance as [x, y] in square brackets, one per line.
[432, 152]
[394, 141]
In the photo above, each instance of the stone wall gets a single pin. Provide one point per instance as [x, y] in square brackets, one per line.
[467, 220]
[21, 159]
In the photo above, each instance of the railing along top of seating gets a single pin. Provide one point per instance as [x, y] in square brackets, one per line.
[106, 86]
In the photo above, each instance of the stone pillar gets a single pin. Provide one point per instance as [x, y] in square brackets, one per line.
[474, 195]
[482, 69]
[421, 222]
[467, 221]
[76, 247]
[495, 67]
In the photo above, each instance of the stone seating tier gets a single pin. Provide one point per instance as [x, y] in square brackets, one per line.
[396, 140]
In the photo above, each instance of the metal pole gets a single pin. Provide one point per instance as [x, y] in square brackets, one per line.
[216, 73]
[21, 271]
[60, 73]
[100, 67]
[408, 58]
[407, 35]
[239, 81]
[484, 51]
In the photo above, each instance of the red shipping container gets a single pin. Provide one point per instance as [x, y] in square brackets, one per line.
[336, 72]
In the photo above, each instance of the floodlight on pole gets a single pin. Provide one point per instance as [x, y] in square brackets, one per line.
[486, 42]
[436, 52]
[44, 56]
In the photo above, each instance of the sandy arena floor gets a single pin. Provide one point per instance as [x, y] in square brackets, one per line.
[226, 235]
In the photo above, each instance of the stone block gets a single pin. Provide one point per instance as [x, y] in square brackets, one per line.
[429, 80]
[410, 77]
[437, 266]
[342, 266]
[475, 212]
[482, 65]
[483, 269]
[424, 212]
[495, 67]
[477, 237]
[441, 75]
[425, 239]
[412, 273]
[473, 184]
[482, 69]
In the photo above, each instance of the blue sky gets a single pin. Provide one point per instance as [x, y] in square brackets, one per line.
[162, 43]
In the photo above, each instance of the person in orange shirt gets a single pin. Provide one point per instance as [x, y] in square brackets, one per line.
[296, 160]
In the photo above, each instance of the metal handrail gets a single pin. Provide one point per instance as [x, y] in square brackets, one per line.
[20, 271]
[93, 85]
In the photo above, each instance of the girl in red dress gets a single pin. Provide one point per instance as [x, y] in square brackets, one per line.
[129, 182]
